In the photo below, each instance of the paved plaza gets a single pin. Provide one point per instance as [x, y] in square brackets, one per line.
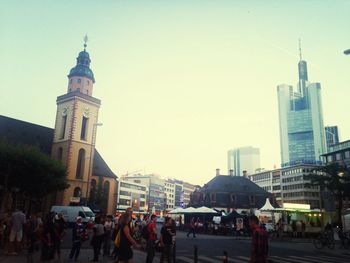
[211, 248]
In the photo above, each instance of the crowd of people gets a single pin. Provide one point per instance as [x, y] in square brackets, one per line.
[109, 236]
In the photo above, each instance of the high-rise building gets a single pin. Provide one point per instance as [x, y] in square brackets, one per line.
[290, 184]
[332, 136]
[302, 136]
[243, 159]
[156, 194]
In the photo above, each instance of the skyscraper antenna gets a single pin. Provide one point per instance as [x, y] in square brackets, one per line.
[300, 56]
[85, 41]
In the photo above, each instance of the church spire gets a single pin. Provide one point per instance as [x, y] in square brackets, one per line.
[85, 41]
[82, 68]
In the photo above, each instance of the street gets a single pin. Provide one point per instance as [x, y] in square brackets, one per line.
[211, 249]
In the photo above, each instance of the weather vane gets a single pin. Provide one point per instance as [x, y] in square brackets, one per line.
[85, 41]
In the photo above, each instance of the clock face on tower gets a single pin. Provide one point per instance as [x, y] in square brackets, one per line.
[86, 112]
[64, 111]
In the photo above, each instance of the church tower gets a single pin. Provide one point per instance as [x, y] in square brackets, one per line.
[75, 129]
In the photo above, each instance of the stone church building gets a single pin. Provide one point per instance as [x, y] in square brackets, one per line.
[72, 141]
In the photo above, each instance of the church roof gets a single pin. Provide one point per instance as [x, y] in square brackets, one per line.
[232, 184]
[100, 167]
[21, 132]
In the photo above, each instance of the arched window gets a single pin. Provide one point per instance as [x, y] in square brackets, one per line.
[80, 164]
[77, 192]
[60, 154]
[106, 189]
[93, 184]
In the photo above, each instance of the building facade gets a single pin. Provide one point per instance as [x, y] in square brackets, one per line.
[302, 131]
[133, 195]
[290, 185]
[156, 193]
[243, 159]
[332, 136]
[75, 129]
[169, 192]
[339, 153]
[72, 141]
[225, 192]
[188, 189]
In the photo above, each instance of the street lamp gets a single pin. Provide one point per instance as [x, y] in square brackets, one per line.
[93, 140]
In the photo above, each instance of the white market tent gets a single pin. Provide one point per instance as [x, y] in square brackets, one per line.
[267, 206]
[205, 210]
[190, 210]
[177, 211]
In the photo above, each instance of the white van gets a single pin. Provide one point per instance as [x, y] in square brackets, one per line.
[71, 212]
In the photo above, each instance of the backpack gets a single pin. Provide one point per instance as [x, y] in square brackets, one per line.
[144, 232]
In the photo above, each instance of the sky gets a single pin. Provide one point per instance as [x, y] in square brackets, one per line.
[181, 82]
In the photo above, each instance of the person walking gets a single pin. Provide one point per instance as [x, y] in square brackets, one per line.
[109, 227]
[98, 237]
[192, 228]
[166, 240]
[259, 251]
[151, 239]
[16, 233]
[78, 233]
[48, 239]
[60, 231]
[125, 241]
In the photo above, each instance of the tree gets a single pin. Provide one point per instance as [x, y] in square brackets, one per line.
[30, 171]
[334, 178]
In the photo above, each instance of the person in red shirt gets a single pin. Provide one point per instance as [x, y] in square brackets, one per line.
[151, 240]
[260, 247]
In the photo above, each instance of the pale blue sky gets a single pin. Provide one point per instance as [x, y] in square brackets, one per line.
[181, 82]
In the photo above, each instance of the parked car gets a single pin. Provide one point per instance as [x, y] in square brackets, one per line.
[70, 213]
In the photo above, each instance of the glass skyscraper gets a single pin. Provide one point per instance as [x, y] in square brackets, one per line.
[243, 159]
[302, 133]
[332, 136]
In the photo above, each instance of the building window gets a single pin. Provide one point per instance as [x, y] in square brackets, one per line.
[233, 199]
[60, 154]
[77, 192]
[80, 164]
[84, 128]
[252, 199]
[79, 80]
[329, 158]
[63, 128]
[338, 156]
[347, 155]
[106, 189]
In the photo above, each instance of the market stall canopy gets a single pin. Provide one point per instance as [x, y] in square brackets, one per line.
[177, 211]
[232, 215]
[267, 206]
[189, 210]
[206, 210]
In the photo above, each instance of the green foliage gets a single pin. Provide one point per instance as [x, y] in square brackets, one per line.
[334, 178]
[31, 171]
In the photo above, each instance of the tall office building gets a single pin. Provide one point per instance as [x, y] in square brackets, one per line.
[301, 120]
[243, 159]
[332, 136]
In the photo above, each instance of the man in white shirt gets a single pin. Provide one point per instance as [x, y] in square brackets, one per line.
[16, 234]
